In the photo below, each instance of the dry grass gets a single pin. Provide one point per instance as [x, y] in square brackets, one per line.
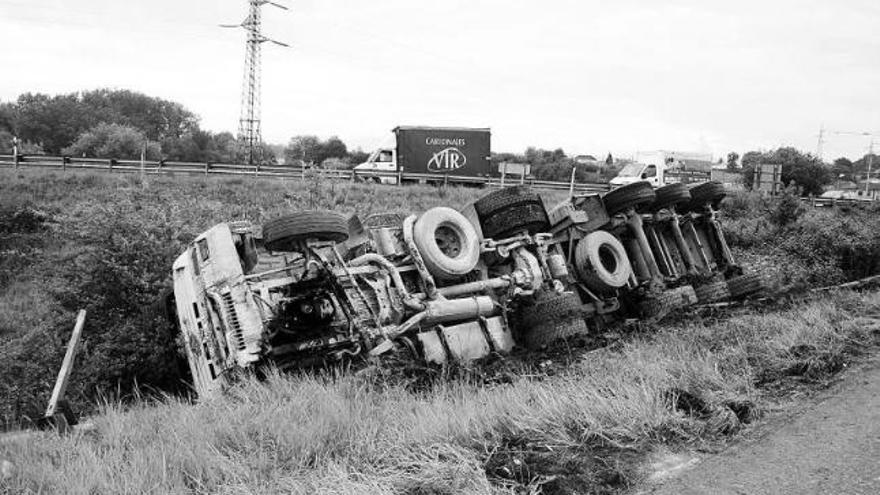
[583, 427]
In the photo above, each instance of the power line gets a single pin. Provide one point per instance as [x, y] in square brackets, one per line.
[249, 133]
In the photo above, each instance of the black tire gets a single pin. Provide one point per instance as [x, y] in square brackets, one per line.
[668, 301]
[671, 195]
[531, 218]
[746, 285]
[712, 292]
[283, 233]
[505, 212]
[711, 192]
[553, 317]
[637, 195]
[503, 199]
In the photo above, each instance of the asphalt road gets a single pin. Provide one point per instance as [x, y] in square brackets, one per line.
[830, 447]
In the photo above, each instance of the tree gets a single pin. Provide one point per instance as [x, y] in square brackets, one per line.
[843, 167]
[732, 159]
[357, 156]
[113, 141]
[57, 121]
[310, 149]
[609, 160]
[302, 149]
[802, 170]
[202, 146]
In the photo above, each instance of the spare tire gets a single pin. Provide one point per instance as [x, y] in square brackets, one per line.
[283, 233]
[551, 318]
[447, 241]
[636, 195]
[507, 211]
[711, 192]
[601, 263]
[671, 195]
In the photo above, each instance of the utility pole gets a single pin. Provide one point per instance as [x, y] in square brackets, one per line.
[870, 162]
[821, 141]
[249, 133]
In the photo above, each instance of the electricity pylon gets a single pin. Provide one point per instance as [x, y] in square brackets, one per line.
[250, 137]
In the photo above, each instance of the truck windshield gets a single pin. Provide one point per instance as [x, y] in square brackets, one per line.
[631, 170]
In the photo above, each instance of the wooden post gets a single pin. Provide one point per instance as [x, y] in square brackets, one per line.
[571, 184]
[208, 168]
[15, 151]
[66, 367]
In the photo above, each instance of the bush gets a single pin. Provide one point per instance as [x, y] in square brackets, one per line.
[113, 141]
[788, 208]
[803, 246]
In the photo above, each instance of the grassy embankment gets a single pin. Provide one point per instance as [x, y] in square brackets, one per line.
[105, 243]
[582, 428]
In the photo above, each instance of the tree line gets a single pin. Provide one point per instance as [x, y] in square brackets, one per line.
[804, 171]
[123, 124]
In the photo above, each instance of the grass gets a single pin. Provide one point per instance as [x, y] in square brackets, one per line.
[582, 423]
[566, 422]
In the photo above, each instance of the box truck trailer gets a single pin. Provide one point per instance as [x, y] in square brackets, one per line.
[443, 154]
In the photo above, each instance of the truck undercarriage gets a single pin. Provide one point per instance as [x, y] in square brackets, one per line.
[315, 287]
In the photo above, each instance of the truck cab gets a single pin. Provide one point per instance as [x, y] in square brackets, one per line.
[636, 172]
[661, 168]
[381, 166]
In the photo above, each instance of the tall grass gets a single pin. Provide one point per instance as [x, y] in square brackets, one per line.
[581, 428]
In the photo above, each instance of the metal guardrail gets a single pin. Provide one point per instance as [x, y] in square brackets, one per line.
[831, 202]
[271, 172]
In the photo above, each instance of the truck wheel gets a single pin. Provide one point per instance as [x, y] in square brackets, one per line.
[711, 192]
[283, 233]
[712, 292]
[746, 285]
[505, 212]
[601, 263]
[447, 241]
[671, 195]
[636, 195]
[656, 307]
[553, 317]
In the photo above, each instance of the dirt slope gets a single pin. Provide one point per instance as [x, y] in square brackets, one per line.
[832, 446]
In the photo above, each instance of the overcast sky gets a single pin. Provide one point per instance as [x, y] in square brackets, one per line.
[589, 76]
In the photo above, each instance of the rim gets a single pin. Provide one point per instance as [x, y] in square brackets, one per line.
[449, 239]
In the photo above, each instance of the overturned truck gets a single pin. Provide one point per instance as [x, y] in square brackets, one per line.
[314, 287]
